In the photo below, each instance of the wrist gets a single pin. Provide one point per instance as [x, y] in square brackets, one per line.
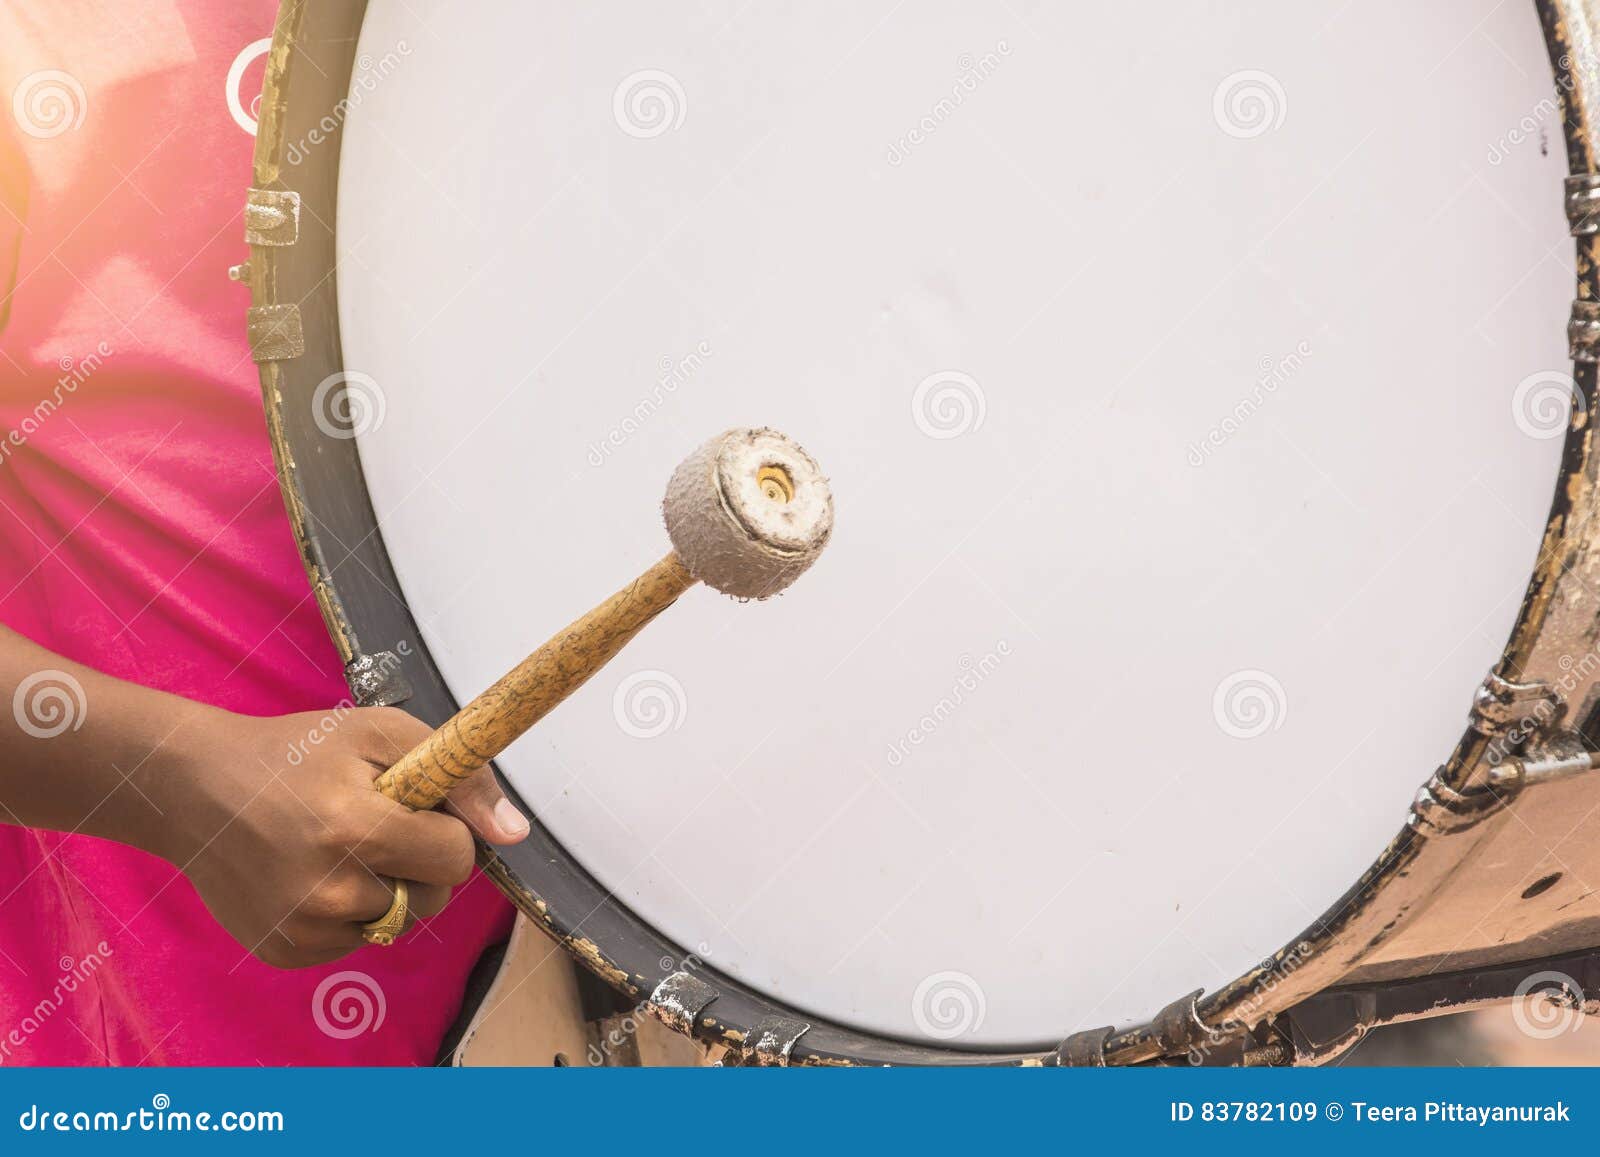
[182, 790]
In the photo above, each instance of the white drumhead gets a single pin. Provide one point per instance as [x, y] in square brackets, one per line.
[1184, 377]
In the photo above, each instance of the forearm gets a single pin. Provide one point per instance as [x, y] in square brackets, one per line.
[84, 752]
[274, 819]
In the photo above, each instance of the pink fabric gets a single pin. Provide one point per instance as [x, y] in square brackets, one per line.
[141, 532]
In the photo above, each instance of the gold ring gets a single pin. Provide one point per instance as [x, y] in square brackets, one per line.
[392, 923]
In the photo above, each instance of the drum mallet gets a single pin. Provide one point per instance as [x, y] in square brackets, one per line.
[747, 513]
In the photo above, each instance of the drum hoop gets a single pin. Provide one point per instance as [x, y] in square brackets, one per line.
[294, 333]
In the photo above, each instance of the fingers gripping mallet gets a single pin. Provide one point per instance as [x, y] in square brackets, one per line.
[747, 513]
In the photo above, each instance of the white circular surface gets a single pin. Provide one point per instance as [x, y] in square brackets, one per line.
[1182, 496]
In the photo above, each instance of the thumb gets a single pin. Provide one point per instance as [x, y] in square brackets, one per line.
[486, 810]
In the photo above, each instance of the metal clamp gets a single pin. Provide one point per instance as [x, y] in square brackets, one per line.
[376, 680]
[1440, 809]
[275, 332]
[1500, 706]
[1178, 1027]
[1084, 1050]
[770, 1041]
[1583, 332]
[1583, 204]
[678, 1001]
[271, 217]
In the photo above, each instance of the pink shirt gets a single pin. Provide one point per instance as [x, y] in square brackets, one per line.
[141, 533]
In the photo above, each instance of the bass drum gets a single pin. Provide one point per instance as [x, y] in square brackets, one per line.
[1192, 379]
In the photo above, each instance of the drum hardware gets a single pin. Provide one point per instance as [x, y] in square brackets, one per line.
[1272, 1055]
[271, 220]
[542, 1008]
[271, 217]
[1440, 808]
[1500, 706]
[772, 1039]
[1263, 1048]
[375, 679]
[1520, 774]
[679, 999]
[1583, 331]
[767, 1045]
[275, 333]
[1583, 204]
[1084, 1050]
[747, 513]
[1177, 1033]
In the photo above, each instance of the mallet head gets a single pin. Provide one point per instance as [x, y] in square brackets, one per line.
[748, 512]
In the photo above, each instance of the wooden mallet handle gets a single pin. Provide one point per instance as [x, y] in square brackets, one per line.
[747, 513]
[529, 691]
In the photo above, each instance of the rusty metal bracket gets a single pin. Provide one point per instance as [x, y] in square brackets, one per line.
[1178, 1027]
[271, 217]
[1583, 332]
[376, 679]
[275, 332]
[770, 1041]
[1084, 1050]
[679, 999]
[1440, 809]
[1500, 706]
[1583, 204]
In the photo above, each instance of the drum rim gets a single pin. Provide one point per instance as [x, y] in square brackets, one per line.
[294, 328]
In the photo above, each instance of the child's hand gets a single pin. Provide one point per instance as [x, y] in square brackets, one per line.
[277, 823]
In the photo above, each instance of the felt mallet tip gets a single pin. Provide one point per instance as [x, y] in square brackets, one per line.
[748, 512]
